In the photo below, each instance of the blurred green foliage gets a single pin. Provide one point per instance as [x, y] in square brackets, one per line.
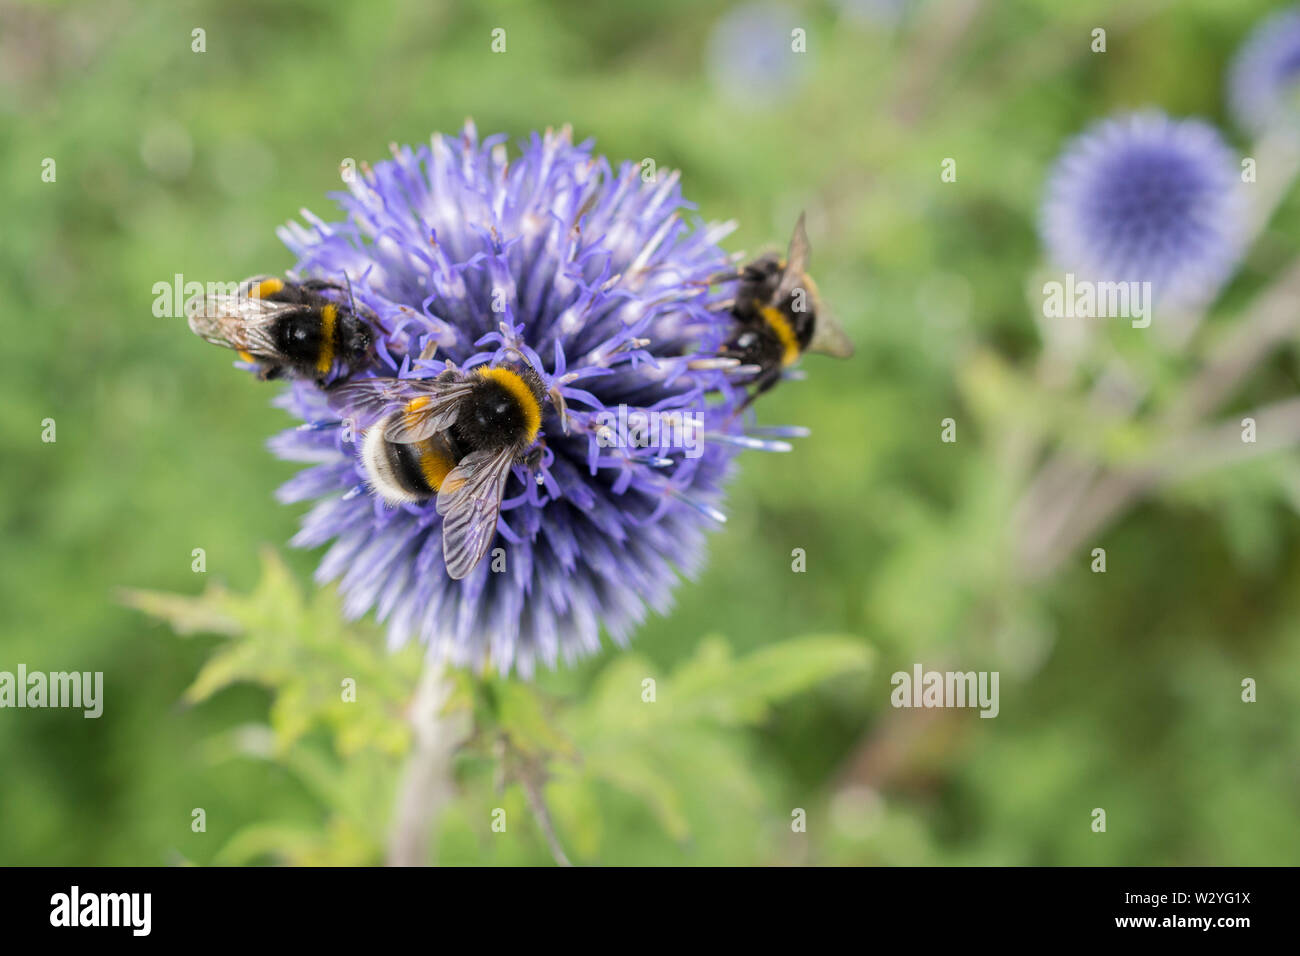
[669, 743]
[1119, 690]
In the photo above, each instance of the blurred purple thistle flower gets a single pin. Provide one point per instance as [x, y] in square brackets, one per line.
[597, 281]
[1264, 79]
[750, 57]
[877, 13]
[1143, 197]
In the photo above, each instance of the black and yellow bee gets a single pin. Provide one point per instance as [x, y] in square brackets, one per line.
[455, 437]
[286, 327]
[779, 316]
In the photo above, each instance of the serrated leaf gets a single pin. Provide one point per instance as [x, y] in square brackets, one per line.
[522, 716]
[283, 840]
[225, 667]
[712, 685]
[205, 614]
[576, 811]
[634, 775]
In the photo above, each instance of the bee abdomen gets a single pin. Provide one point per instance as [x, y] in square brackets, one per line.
[404, 473]
[298, 336]
[779, 323]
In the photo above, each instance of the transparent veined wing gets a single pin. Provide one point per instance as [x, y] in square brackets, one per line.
[371, 397]
[470, 502]
[237, 322]
[424, 406]
[829, 337]
[796, 260]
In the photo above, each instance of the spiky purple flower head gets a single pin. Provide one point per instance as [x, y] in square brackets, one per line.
[1146, 198]
[1264, 79]
[593, 276]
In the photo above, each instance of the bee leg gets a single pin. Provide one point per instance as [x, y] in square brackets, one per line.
[718, 277]
[763, 383]
[533, 461]
[270, 373]
[562, 407]
[329, 380]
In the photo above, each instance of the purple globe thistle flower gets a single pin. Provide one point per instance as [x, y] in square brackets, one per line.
[1146, 198]
[591, 276]
[1264, 79]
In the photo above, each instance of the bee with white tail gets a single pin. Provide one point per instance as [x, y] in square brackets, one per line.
[780, 316]
[299, 328]
[454, 438]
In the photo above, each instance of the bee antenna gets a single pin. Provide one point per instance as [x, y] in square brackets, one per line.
[515, 351]
[351, 300]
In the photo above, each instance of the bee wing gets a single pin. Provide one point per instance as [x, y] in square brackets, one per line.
[427, 406]
[470, 501]
[434, 410]
[829, 337]
[237, 322]
[371, 396]
[796, 260]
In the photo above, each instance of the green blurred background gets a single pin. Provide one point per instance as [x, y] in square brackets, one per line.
[1119, 690]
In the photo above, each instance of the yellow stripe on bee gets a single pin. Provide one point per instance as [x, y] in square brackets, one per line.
[246, 356]
[779, 324]
[434, 465]
[267, 288]
[411, 413]
[329, 317]
[521, 393]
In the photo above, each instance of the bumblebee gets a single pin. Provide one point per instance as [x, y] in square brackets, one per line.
[286, 328]
[455, 437]
[779, 316]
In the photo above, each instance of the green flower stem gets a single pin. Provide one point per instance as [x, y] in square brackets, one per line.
[426, 780]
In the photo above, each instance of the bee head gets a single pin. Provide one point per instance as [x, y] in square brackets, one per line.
[759, 280]
[764, 267]
[535, 383]
[357, 337]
